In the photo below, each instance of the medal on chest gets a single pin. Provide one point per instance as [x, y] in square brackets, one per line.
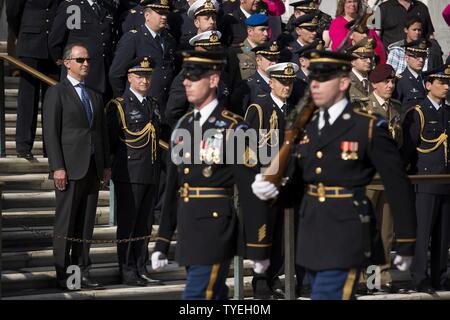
[349, 150]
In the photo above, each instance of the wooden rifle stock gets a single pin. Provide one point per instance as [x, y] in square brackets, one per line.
[295, 124]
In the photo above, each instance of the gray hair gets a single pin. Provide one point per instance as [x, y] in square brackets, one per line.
[67, 53]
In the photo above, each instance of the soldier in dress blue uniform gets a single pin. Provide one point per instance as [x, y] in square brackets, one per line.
[426, 149]
[267, 115]
[31, 21]
[134, 131]
[96, 33]
[151, 39]
[410, 88]
[336, 156]
[204, 172]
[177, 104]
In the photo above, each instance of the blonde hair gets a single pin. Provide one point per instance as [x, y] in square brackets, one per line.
[340, 8]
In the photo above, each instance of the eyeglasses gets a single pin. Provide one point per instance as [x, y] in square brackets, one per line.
[81, 60]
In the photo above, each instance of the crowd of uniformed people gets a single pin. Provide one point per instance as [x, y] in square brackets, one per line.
[135, 75]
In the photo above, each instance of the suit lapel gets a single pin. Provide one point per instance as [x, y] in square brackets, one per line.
[358, 84]
[338, 128]
[77, 100]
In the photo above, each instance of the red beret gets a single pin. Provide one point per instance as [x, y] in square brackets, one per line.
[382, 72]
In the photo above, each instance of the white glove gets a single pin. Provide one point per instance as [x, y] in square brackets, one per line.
[264, 190]
[159, 260]
[260, 266]
[403, 262]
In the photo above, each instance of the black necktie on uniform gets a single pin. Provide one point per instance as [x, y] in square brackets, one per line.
[197, 116]
[159, 40]
[326, 118]
[284, 108]
[365, 84]
[96, 8]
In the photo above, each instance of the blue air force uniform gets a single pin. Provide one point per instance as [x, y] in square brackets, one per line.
[426, 149]
[410, 89]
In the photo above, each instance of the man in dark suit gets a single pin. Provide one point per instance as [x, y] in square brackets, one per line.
[306, 30]
[426, 149]
[410, 89]
[336, 156]
[31, 21]
[78, 153]
[96, 31]
[234, 22]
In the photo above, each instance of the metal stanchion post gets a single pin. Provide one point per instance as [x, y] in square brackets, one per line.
[289, 254]
[238, 261]
[2, 110]
[112, 205]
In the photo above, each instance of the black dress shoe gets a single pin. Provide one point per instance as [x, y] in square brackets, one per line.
[61, 284]
[425, 288]
[261, 289]
[149, 280]
[87, 283]
[278, 289]
[389, 288]
[134, 281]
[25, 155]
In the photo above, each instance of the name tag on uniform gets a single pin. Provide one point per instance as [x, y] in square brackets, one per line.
[349, 150]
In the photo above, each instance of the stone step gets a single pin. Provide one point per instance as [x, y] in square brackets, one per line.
[11, 92]
[11, 134]
[107, 273]
[14, 165]
[39, 199]
[21, 239]
[11, 148]
[29, 181]
[12, 82]
[40, 218]
[10, 120]
[172, 290]
[44, 258]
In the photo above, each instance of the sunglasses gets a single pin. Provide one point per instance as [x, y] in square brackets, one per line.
[81, 60]
[310, 29]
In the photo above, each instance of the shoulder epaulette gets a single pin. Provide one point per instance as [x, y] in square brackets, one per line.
[262, 95]
[396, 101]
[364, 113]
[133, 11]
[399, 76]
[133, 31]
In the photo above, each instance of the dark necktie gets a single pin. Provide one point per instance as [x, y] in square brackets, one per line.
[326, 118]
[96, 9]
[159, 40]
[284, 108]
[365, 84]
[86, 103]
[197, 116]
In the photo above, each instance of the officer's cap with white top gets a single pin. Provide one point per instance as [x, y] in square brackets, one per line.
[284, 70]
[203, 7]
[206, 39]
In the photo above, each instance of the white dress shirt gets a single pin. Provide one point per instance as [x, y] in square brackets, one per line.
[277, 101]
[206, 111]
[334, 111]
[436, 105]
[75, 83]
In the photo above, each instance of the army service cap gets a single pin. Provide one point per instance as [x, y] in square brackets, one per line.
[197, 63]
[441, 73]
[326, 65]
[317, 44]
[307, 20]
[360, 29]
